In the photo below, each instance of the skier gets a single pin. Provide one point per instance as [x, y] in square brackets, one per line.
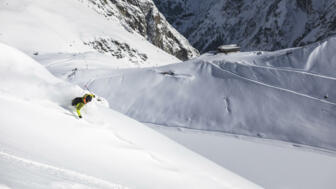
[79, 102]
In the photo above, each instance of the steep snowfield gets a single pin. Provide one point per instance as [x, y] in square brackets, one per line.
[73, 28]
[43, 145]
[284, 95]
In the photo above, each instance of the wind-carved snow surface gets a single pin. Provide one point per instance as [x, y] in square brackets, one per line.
[37, 175]
[286, 95]
[44, 145]
[70, 27]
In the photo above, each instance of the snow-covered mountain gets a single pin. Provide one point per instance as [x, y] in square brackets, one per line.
[257, 25]
[285, 95]
[44, 145]
[144, 18]
[75, 28]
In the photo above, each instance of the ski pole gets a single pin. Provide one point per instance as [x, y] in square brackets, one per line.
[98, 99]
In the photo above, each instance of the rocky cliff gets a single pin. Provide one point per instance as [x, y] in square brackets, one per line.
[261, 25]
[143, 17]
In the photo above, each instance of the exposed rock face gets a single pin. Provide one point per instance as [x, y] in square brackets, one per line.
[117, 49]
[261, 25]
[143, 17]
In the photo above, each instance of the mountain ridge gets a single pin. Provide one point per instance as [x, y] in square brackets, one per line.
[263, 25]
[144, 18]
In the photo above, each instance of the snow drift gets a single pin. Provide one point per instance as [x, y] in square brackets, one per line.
[43, 145]
[284, 95]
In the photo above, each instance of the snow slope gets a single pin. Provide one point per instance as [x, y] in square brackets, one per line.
[43, 145]
[73, 27]
[271, 164]
[284, 95]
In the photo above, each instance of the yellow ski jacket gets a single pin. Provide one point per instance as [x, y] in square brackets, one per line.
[80, 105]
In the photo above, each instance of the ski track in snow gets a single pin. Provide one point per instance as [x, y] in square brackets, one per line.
[72, 175]
[129, 145]
[271, 86]
[160, 162]
[289, 70]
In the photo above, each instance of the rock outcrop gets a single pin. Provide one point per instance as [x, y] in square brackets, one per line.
[143, 17]
[261, 25]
